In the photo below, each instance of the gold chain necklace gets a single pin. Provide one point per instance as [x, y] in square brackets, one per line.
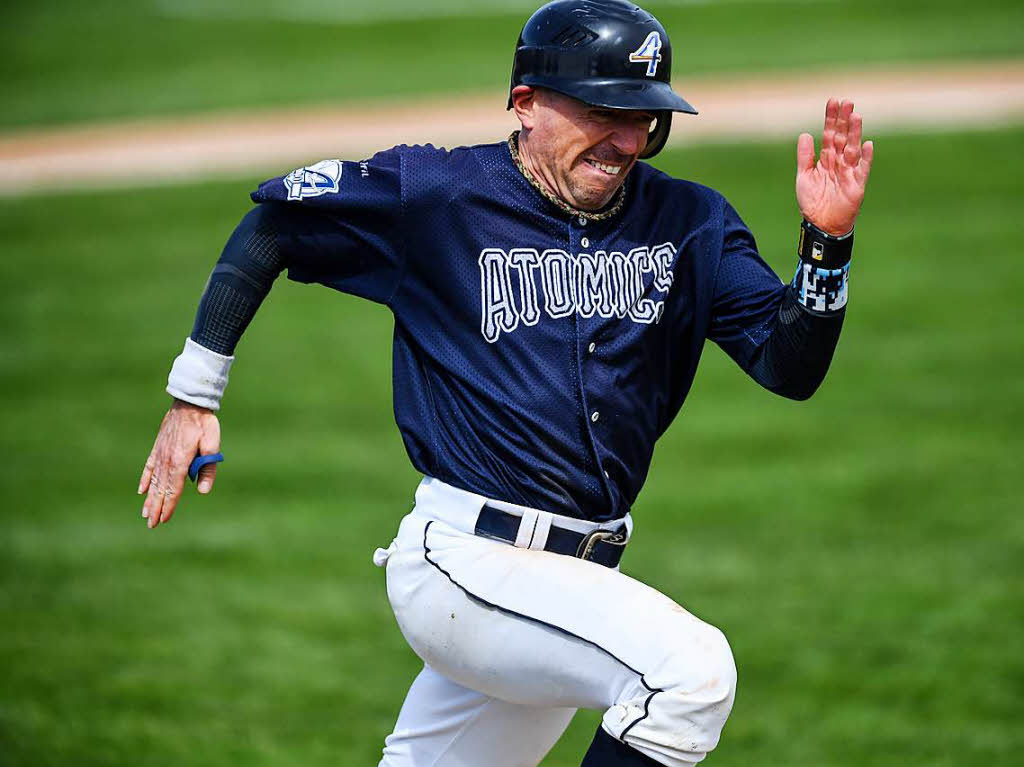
[513, 147]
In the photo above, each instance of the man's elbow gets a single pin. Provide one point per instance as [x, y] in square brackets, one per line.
[801, 389]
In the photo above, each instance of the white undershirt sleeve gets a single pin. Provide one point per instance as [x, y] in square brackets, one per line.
[199, 376]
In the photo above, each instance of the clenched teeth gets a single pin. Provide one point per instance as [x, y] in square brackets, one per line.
[611, 170]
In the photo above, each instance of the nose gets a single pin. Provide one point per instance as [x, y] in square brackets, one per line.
[629, 137]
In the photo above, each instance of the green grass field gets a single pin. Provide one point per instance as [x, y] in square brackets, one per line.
[66, 60]
[876, 623]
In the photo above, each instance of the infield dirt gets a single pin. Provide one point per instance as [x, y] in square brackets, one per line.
[147, 152]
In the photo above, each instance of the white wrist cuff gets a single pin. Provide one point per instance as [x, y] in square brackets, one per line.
[199, 376]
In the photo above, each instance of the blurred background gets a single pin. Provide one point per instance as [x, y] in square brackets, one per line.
[863, 551]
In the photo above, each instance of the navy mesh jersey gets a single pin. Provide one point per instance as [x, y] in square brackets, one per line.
[538, 356]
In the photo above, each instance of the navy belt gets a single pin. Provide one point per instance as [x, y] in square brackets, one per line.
[604, 547]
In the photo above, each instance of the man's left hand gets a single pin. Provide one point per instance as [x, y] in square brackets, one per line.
[831, 190]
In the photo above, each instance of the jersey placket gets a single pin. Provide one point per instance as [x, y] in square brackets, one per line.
[581, 233]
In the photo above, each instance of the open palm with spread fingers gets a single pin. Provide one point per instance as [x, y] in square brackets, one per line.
[831, 190]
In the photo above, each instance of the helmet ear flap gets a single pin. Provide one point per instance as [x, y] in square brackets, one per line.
[658, 136]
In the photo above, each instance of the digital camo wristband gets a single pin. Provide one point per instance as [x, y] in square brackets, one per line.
[822, 275]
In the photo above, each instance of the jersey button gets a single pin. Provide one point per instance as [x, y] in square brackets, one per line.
[591, 347]
[607, 476]
[583, 220]
[585, 243]
[594, 416]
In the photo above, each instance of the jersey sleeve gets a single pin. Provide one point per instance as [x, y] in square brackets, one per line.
[340, 223]
[747, 293]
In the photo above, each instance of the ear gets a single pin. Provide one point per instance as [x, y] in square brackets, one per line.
[524, 102]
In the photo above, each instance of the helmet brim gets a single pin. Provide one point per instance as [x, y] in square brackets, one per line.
[616, 93]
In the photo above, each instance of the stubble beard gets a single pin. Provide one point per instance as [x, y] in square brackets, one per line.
[589, 197]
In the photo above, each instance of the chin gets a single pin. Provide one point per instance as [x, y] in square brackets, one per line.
[590, 194]
[591, 198]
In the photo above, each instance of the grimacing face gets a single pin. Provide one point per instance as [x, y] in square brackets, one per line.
[580, 153]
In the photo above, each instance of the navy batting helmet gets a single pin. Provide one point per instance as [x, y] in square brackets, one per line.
[607, 53]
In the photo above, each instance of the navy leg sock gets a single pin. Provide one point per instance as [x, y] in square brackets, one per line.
[606, 751]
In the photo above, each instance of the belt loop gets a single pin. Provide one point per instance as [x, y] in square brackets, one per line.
[527, 524]
[540, 532]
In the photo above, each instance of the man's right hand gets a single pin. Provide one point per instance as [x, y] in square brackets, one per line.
[185, 431]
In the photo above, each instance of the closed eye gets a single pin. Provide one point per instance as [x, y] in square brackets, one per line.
[611, 115]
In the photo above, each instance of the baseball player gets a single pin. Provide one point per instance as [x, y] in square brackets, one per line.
[552, 294]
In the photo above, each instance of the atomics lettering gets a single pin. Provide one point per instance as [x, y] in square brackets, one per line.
[517, 285]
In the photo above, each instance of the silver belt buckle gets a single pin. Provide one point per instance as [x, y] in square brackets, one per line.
[591, 539]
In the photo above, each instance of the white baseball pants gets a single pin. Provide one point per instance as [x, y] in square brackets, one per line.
[515, 639]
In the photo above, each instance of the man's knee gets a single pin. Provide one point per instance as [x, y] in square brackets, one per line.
[699, 693]
[701, 700]
[678, 714]
[713, 668]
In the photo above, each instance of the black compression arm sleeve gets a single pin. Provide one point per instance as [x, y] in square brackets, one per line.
[797, 354]
[246, 270]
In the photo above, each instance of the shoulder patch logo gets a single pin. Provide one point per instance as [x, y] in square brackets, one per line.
[648, 53]
[313, 180]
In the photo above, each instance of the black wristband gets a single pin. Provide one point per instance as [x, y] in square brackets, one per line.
[823, 250]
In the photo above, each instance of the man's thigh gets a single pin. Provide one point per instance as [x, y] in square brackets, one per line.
[541, 629]
[443, 724]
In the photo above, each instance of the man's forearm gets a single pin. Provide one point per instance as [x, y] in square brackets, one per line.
[796, 356]
[243, 276]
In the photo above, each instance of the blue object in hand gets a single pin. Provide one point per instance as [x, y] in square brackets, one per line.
[200, 461]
